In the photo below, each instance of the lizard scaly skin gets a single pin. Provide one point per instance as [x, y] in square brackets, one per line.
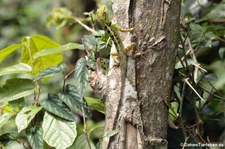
[113, 30]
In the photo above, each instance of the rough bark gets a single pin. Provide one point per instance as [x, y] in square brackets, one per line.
[140, 114]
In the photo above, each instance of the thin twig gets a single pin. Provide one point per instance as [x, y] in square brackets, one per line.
[83, 25]
[181, 109]
[66, 76]
[186, 80]
[85, 128]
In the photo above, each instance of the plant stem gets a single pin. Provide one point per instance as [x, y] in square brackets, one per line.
[37, 93]
[85, 129]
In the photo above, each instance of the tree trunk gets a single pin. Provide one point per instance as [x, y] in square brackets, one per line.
[140, 113]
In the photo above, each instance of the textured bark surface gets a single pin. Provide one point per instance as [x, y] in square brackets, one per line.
[140, 114]
[157, 34]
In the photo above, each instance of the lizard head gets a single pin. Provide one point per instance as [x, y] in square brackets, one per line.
[102, 15]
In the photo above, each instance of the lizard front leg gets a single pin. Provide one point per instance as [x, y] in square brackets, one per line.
[115, 54]
[121, 29]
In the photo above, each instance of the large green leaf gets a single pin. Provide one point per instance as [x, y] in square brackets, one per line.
[18, 68]
[95, 104]
[35, 137]
[51, 71]
[25, 116]
[82, 143]
[4, 118]
[15, 89]
[35, 44]
[81, 76]
[8, 50]
[58, 133]
[56, 106]
[56, 50]
[73, 100]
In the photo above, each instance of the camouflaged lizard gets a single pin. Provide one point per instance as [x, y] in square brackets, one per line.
[113, 30]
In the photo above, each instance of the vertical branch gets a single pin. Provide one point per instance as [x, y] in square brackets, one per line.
[157, 37]
[142, 110]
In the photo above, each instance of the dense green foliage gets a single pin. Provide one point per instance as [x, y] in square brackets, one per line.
[35, 114]
[39, 60]
[45, 96]
[197, 106]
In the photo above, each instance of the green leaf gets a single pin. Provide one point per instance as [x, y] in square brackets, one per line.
[81, 76]
[216, 12]
[222, 52]
[25, 116]
[179, 64]
[210, 77]
[97, 132]
[56, 106]
[92, 42]
[8, 50]
[4, 118]
[51, 71]
[99, 144]
[110, 133]
[8, 141]
[15, 89]
[9, 127]
[57, 50]
[101, 45]
[177, 92]
[217, 67]
[18, 68]
[173, 111]
[73, 104]
[16, 105]
[34, 137]
[57, 133]
[95, 104]
[72, 99]
[35, 44]
[197, 32]
[82, 143]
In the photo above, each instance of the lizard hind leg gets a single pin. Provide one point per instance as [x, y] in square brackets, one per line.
[115, 57]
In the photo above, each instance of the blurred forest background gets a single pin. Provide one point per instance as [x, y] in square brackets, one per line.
[20, 18]
[202, 23]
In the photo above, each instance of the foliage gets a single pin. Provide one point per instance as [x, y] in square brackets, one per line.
[51, 120]
[197, 104]
[39, 58]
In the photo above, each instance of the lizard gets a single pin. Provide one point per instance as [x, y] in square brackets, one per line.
[113, 30]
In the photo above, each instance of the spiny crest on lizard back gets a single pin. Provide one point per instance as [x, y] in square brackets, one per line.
[103, 16]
